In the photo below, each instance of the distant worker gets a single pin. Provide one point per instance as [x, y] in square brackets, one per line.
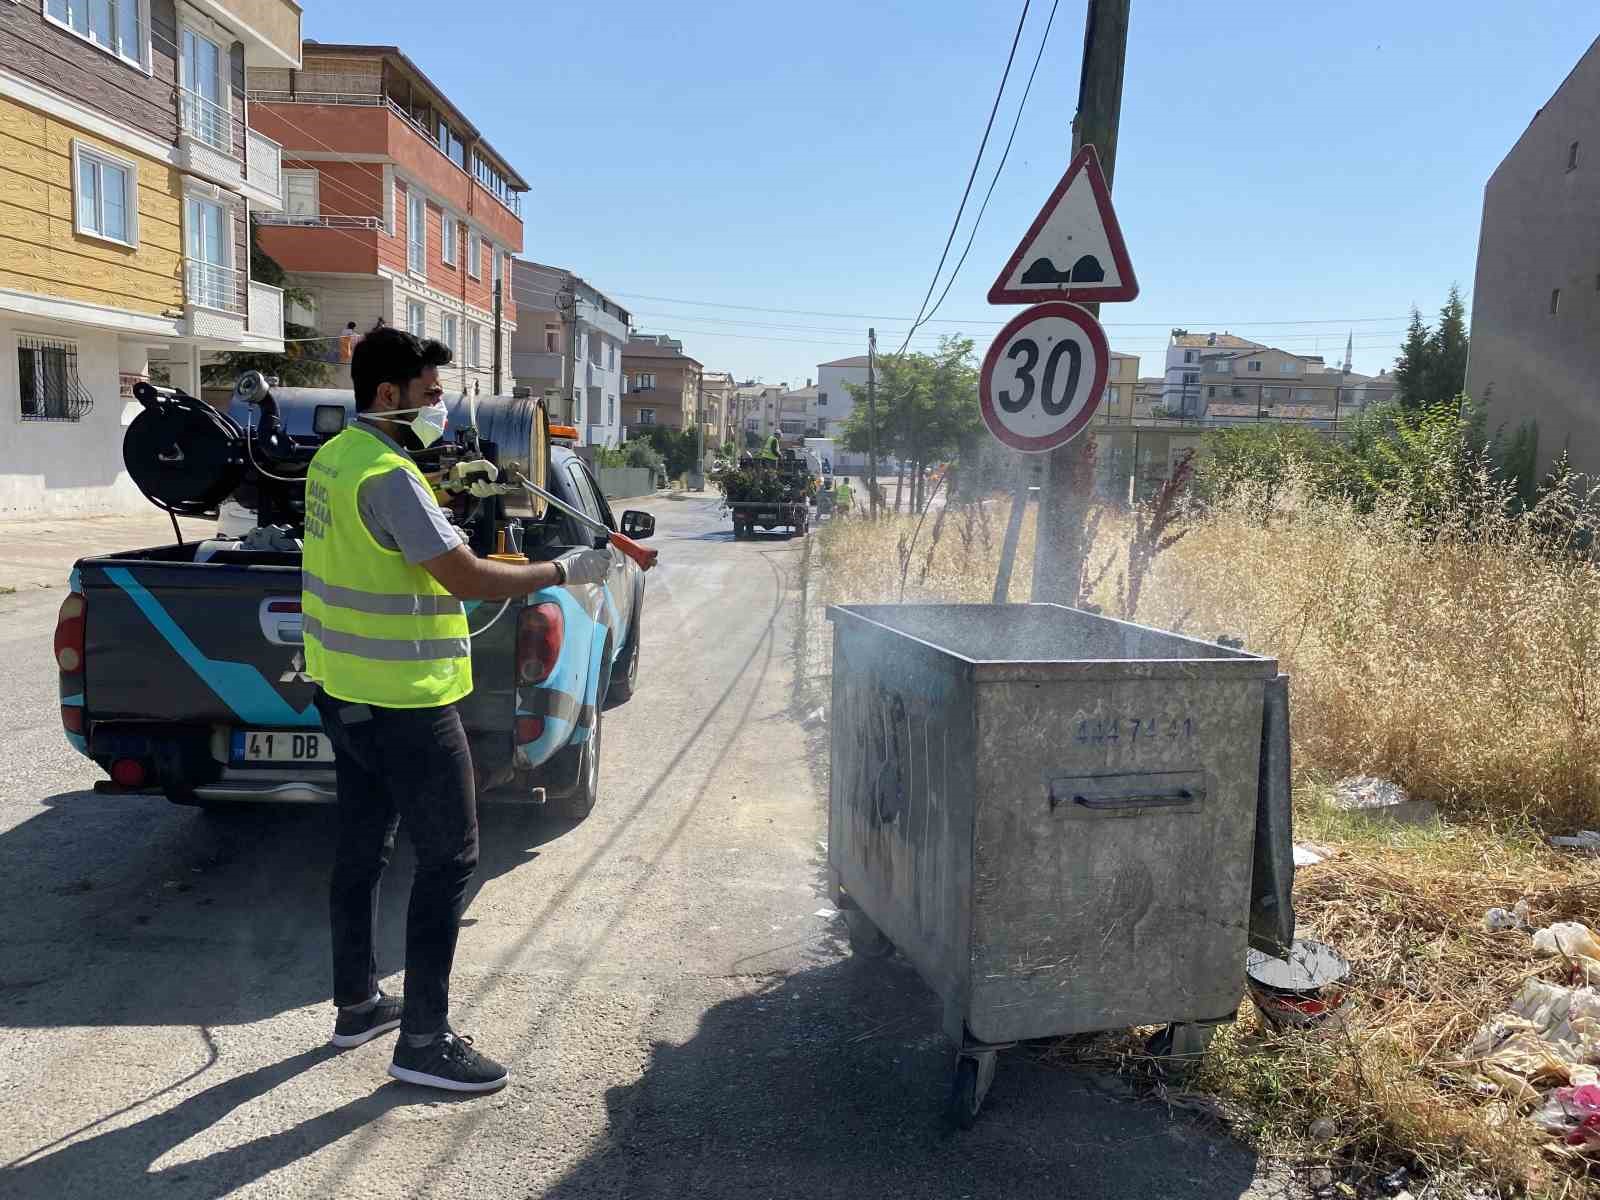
[347, 342]
[844, 497]
[386, 641]
[773, 449]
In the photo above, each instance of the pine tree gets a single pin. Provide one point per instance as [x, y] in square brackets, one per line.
[1447, 350]
[1411, 368]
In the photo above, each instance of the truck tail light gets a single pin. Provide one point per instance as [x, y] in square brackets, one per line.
[539, 631]
[129, 772]
[529, 730]
[69, 634]
[72, 718]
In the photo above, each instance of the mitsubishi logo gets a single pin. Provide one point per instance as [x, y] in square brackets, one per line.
[297, 670]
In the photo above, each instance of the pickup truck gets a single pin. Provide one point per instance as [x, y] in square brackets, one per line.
[181, 668]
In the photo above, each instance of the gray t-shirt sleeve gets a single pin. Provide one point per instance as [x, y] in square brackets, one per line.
[401, 514]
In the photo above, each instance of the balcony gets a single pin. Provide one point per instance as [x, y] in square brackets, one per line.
[264, 168]
[538, 369]
[205, 144]
[342, 90]
[215, 301]
[265, 319]
[318, 220]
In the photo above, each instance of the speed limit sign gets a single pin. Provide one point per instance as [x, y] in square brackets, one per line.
[1044, 376]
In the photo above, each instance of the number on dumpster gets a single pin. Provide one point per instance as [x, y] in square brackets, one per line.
[1044, 377]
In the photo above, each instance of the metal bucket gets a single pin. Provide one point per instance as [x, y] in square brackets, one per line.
[1300, 989]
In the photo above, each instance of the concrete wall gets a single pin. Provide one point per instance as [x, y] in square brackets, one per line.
[56, 468]
[831, 382]
[625, 483]
[1540, 233]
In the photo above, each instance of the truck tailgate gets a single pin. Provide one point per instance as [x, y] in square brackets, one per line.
[194, 643]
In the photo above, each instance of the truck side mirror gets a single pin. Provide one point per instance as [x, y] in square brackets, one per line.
[638, 525]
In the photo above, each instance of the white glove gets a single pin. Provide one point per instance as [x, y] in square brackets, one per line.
[464, 472]
[586, 566]
[483, 490]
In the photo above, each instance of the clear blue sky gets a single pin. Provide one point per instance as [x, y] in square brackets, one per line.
[1279, 162]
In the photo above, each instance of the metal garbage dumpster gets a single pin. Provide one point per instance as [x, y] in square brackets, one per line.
[1054, 816]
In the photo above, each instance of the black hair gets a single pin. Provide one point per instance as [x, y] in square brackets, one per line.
[389, 355]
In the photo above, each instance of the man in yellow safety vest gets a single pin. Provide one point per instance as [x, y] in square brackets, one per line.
[386, 639]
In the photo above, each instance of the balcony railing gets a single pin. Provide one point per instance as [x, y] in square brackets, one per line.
[513, 203]
[266, 310]
[264, 164]
[209, 285]
[206, 121]
[317, 221]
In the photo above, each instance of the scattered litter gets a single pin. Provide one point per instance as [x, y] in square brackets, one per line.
[1539, 1054]
[1585, 839]
[826, 914]
[1310, 854]
[1498, 920]
[1323, 1130]
[815, 717]
[1300, 989]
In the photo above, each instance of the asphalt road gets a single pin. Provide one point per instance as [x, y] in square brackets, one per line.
[678, 1018]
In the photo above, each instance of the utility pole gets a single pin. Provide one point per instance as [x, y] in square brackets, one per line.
[499, 286]
[567, 298]
[1058, 557]
[872, 423]
[700, 422]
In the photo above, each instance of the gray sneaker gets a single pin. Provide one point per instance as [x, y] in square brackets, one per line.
[355, 1029]
[447, 1062]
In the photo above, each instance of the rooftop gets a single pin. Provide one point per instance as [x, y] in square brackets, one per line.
[1222, 341]
[859, 360]
[657, 346]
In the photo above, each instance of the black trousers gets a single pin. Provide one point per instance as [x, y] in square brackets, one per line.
[394, 765]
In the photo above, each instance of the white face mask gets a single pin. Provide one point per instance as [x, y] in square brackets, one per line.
[427, 426]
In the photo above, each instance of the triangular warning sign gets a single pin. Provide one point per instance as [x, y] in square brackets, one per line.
[1074, 249]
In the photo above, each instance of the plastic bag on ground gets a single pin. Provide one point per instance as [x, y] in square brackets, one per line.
[1575, 942]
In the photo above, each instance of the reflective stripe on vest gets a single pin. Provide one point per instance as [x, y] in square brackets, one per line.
[378, 630]
[381, 603]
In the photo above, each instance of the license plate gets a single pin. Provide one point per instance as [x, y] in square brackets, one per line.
[281, 746]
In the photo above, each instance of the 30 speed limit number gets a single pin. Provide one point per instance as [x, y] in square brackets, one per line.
[1044, 376]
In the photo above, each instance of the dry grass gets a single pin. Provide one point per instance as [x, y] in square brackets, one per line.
[1466, 666]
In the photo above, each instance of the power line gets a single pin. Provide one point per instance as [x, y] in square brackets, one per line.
[971, 176]
[1005, 154]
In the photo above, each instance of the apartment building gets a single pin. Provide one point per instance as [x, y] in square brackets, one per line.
[127, 175]
[1187, 354]
[397, 208]
[567, 347]
[835, 400]
[797, 413]
[1122, 381]
[756, 404]
[661, 383]
[1216, 379]
[1535, 354]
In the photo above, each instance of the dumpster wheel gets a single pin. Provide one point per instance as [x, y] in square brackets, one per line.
[970, 1087]
[866, 939]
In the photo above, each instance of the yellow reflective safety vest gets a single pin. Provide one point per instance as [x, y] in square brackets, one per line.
[378, 630]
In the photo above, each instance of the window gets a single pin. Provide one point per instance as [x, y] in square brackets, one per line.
[611, 410]
[491, 178]
[1305, 396]
[416, 232]
[593, 407]
[1114, 396]
[474, 255]
[644, 382]
[301, 194]
[647, 416]
[1190, 377]
[202, 94]
[552, 338]
[417, 318]
[1274, 395]
[116, 26]
[1189, 356]
[452, 146]
[611, 356]
[1288, 367]
[1572, 157]
[106, 188]
[47, 380]
[1555, 301]
[1211, 393]
[473, 358]
[447, 247]
[209, 278]
[302, 311]
[447, 331]
[596, 343]
[822, 399]
[1221, 366]
[1254, 366]
[1236, 393]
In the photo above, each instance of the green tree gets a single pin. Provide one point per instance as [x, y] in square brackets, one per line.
[927, 407]
[1432, 366]
[302, 363]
